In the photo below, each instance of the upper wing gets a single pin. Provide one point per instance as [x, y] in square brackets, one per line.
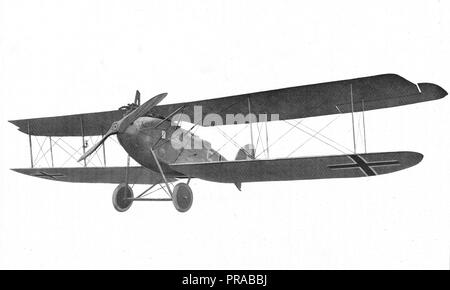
[381, 91]
[376, 92]
[91, 124]
[136, 175]
[337, 166]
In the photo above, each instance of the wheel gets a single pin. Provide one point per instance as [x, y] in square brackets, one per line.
[120, 198]
[182, 197]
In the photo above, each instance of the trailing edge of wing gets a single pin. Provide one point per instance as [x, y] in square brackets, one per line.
[336, 166]
[136, 175]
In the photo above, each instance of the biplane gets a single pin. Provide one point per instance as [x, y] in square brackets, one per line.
[152, 136]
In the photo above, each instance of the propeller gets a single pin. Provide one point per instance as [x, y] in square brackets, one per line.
[121, 125]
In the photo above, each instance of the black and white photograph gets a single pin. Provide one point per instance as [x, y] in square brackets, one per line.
[225, 135]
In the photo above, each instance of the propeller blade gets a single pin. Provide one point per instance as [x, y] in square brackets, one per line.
[140, 111]
[137, 98]
[93, 148]
[126, 121]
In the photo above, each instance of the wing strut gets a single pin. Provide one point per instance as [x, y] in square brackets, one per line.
[253, 149]
[364, 126]
[31, 144]
[267, 142]
[51, 150]
[353, 119]
[82, 139]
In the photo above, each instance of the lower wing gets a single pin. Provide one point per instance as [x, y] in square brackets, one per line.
[136, 175]
[337, 166]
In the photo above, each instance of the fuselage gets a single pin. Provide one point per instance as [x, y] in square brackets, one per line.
[171, 144]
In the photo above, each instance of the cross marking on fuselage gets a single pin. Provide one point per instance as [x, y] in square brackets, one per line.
[48, 175]
[363, 165]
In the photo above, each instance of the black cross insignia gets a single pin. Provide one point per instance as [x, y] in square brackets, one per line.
[48, 175]
[363, 165]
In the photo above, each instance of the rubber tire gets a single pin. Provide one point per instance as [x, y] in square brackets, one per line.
[182, 197]
[119, 203]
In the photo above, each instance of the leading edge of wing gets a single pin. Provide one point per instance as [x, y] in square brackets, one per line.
[136, 174]
[301, 168]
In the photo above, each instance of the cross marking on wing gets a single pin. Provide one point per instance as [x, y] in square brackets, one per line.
[363, 165]
[48, 175]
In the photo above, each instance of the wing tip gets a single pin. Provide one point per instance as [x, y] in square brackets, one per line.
[20, 124]
[418, 157]
[26, 171]
[15, 122]
[432, 91]
[411, 158]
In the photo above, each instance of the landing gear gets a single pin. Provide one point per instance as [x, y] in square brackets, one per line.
[182, 197]
[122, 197]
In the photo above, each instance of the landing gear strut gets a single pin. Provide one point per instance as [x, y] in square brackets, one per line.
[181, 197]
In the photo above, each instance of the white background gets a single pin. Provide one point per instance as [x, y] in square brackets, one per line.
[64, 57]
